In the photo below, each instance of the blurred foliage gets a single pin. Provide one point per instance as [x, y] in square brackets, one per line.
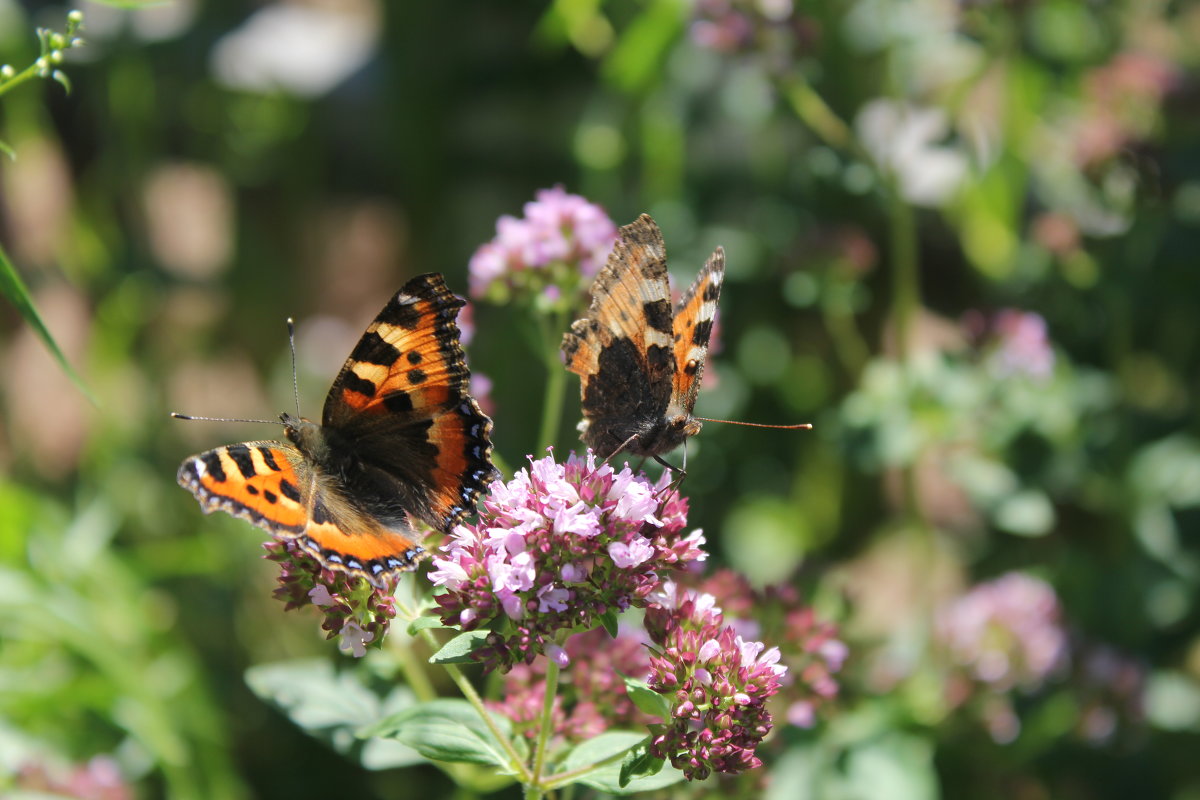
[886, 177]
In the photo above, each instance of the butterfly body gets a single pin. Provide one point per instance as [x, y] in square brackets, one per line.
[640, 362]
[400, 441]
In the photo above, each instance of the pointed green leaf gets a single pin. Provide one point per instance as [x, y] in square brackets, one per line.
[648, 700]
[458, 650]
[14, 289]
[609, 620]
[639, 762]
[607, 778]
[423, 623]
[447, 730]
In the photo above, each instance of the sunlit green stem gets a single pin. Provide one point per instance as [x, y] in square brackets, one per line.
[468, 691]
[16, 80]
[550, 327]
[545, 726]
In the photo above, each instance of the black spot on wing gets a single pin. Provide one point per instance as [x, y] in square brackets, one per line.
[241, 457]
[701, 333]
[416, 376]
[712, 291]
[372, 349]
[251, 488]
[270, 496]
[397, 402]
[414, 357]
[212, 465]
[320, 514]
[356, 384]
[658, 315]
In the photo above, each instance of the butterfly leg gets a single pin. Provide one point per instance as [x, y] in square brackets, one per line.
[617, 452]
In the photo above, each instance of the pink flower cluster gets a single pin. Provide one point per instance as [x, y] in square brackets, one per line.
[808, 645]
[556, 548]
[356, 611]
[558, 246]
[716, 681]
[592, 696]
[1006, 632]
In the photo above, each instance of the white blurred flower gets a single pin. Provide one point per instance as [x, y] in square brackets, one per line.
[901, 138]
[304, 50]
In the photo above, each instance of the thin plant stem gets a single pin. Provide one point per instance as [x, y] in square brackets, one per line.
[546, 724]
[16, 80]
[550, 330]
[468, 692]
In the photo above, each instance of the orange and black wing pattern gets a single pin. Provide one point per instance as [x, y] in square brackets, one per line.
[694, 318]
[400, 404]
[271, 485]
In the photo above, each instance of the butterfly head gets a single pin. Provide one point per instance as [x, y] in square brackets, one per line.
[681, 424]
[307, 435]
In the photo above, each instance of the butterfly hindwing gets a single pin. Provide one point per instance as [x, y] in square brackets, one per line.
[256, 481]
[271, 485]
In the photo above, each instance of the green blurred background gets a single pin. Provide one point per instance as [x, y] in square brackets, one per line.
[906, 191]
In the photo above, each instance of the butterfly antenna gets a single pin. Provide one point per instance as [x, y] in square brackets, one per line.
[807, 426]
[292, 344]
[177, 415]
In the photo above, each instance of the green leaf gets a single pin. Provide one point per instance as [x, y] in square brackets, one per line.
[640, 762]
[609, 620]
[648, 700]
[458, 650]
[446, 730]
[333, 706]
[14, 289]
[423, 623]
[608, 777]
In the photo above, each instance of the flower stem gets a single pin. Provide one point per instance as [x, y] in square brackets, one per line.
[545, 725]
[468, 691]
[19, 78]
[550, 329]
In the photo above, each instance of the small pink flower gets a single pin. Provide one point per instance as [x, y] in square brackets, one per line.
[355, 640]
[559, 244]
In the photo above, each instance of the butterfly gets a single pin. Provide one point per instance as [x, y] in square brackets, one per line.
[399, 439]
[639, 363]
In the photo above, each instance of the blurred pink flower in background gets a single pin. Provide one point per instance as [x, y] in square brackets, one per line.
[1005, 633]
[558, 229]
